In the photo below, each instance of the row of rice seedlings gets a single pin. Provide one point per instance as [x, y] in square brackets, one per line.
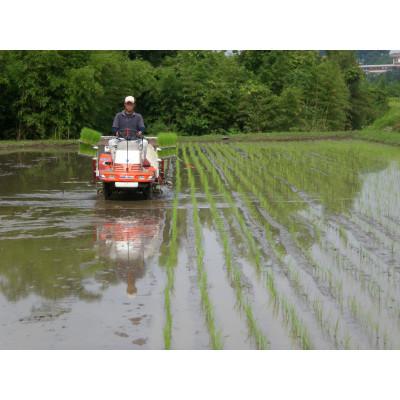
[340, 179]
[380, 253]
[291, 273]
[377, 306]
[336, 289]
[327, 276]
[355, 260]
[367, 313]
[380, 273]
[207, 306]
[382, 238]
[333, 284]
[304, 168]
[362, 251]
[172, 259]
[371, 288]
[379, 199]
[309, 175]
[359, 311]
[369, 285]
[233, 272]
[375, 223]
[296, 327]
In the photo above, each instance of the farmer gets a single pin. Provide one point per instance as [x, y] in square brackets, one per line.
[129, 124]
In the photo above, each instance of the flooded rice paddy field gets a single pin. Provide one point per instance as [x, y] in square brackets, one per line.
[262, 245]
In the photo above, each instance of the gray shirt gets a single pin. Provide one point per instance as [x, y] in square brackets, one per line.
[133, 122]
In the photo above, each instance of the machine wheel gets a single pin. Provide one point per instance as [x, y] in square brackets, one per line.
[107, 190]
[148, 193]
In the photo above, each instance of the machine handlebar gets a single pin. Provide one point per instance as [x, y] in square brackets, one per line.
[129, 134]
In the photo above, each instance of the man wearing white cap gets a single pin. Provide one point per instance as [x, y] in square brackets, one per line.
[128, 121]
[129, 124]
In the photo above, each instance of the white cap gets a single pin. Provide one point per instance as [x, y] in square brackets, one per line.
[129, 99]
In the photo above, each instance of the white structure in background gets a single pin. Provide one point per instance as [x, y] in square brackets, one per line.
[395, 54]
[382, 68]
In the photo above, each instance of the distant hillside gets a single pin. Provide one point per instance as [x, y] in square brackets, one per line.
[372, 57]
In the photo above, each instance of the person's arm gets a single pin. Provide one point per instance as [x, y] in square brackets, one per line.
[115, 125]
[141, 126]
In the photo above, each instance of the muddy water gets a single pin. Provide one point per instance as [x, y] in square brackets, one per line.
[79, 272]
[75, 271]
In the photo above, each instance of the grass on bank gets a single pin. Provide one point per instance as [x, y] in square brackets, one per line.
[268, 136]
[384, 137]
[379, 136]
[385, 129]
[390, 121]
[5, 144]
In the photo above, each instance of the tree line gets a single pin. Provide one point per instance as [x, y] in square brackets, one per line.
[53, 94]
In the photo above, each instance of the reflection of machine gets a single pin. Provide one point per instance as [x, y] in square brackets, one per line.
[123, 164]
[128, 241]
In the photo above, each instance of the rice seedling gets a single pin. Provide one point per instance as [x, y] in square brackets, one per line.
[327, 327]
[167, 139]
[89, 136]
[335, 288]
[283, 210]
[269, 278]
[233, 272]
[207, 306]
[172, 259]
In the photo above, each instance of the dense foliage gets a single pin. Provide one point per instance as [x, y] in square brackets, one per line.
[389, 83]
[53, 94]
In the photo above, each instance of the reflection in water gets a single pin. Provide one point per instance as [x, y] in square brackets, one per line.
[71, 262]
[46, 230]
[379, 197]
[128, 240]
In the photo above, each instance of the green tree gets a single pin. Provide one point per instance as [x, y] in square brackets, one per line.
[326, 98]
[55, 93]
[154, 57]
[199, 91]
[360, 98]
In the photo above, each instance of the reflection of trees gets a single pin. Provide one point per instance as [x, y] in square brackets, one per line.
[51, 267]
[55, 268]
[41, 170]
[328, 172]
[57, 265]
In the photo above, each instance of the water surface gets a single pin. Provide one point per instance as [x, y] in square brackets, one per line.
[79, 272]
